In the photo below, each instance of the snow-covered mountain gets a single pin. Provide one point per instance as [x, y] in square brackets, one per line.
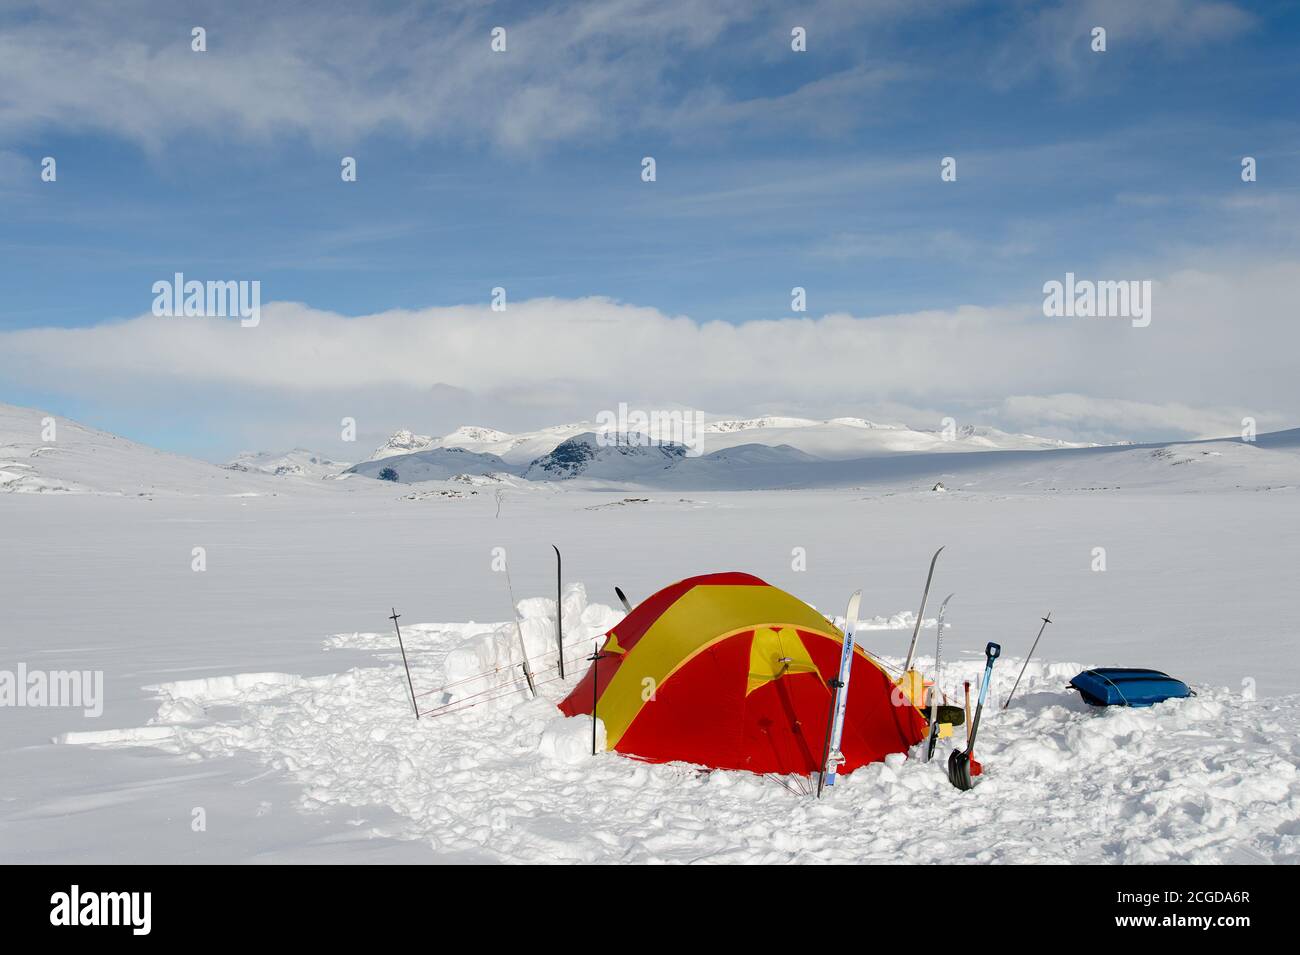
[728, 425]
[604, 457]
[402, 442]
[83, 460]
[836, 439]
[1272, 462]
[44, 454]
[434, 464]
[296, 463]
[628, 460]
[842, 439]
[521, 449]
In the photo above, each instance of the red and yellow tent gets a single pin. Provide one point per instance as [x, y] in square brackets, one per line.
[729, 672]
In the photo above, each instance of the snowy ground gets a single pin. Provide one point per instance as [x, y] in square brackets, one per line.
[1207, 780]
[263, 694]
[324, 764]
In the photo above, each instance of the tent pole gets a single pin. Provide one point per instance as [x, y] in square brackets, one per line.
[559, 609]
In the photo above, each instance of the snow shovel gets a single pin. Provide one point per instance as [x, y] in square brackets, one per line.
[959, 763]
[966, 686]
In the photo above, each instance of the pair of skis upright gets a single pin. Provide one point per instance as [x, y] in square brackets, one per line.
[938, 654]
[831, 756]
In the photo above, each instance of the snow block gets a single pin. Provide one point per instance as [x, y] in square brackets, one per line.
[1123, 686]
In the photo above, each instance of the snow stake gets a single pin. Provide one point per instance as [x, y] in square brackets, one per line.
[959, 762]
[404, 665]
[920, 614]
[595, 659]
[1046, 621]
[559, 609]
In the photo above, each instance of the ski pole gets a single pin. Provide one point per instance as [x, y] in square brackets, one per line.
[404, 664]
[1046, 621]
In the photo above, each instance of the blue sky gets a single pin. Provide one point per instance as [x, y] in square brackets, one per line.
[521, 169]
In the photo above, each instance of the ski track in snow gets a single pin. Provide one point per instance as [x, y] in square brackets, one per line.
[1205, 780]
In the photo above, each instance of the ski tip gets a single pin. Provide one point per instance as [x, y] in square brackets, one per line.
[855, 601]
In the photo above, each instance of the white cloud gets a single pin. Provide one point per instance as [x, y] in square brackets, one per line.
[1106, 419]
[1218, 347]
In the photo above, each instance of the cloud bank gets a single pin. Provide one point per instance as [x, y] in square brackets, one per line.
[1218, 348]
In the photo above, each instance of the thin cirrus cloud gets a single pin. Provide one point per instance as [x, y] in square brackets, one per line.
[1047, 41]
[574, 72]
[1196, 370]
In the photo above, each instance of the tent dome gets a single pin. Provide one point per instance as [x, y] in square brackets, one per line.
[729, 672]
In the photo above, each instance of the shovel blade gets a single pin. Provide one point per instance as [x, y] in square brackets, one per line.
[959, 769]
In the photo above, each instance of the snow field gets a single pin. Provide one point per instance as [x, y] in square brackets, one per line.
[504, 777]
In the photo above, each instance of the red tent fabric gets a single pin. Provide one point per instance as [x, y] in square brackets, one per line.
[727, 671]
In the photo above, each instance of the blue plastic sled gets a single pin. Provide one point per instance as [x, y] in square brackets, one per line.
[1121, 686]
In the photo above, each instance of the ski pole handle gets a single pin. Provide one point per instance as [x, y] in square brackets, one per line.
[992, 652]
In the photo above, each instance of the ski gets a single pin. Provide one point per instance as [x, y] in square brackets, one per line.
[920, 614]
[831, 757]
[934, 691]
[623, 599]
